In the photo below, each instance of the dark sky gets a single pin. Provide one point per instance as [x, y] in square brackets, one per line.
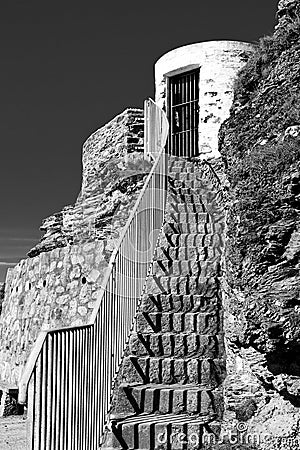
[67, 69]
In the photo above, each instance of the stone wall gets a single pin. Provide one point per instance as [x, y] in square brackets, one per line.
[219, 63]
[59, 284]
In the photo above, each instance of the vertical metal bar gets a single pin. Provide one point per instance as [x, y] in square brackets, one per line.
[75, 410]
[97, 384]
[49, 406]
[43, 394]
[66, 364]
[37, 404]
[61, 390]
[196, 131]
[30, 424]
[54, 391]
[80, 389]
[70, 391]
[183, 118]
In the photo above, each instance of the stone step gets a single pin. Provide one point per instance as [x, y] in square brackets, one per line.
[181, 345]
[173, 432]
[186, 175]
[186, 228]
[192, 267]
[187, 253]
[182, 199]
[182, 190]
[180, 322]
[183, 167]
[206, 372]
[211, 239]
[174, 206]
[190, 181]
[201, 217]
[131, 400]
[181, 303]
[181, 285]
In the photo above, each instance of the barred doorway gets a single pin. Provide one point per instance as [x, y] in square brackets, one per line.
[183, 114]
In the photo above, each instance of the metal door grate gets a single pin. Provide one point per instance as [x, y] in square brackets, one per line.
[183, 114]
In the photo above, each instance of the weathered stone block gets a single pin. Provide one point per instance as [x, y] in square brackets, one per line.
[134, 370]
[192, 401]
[167, 345]
[137, 345]
[149, 400]
[167, 371]
[189, 322]
[177, 320]
[165, 401]
[179, 401]
[144, 435]
[179, 374]
[207, 403]
[193, 371]
[187, 217]
[179, 344]
[155, 344]
[154, 370]
[128, 434]
[179, 437]
[208, 323]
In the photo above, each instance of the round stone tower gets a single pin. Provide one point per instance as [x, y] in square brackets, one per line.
[194, 84]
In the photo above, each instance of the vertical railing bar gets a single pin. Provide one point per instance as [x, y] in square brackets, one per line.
[80, 390]
[97, 382]
[49, 391]
[75, 391]
[62, 390]
[37, 404]
[43, 394]
[71, 383]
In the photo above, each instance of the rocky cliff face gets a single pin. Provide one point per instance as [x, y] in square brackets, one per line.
[260, 145]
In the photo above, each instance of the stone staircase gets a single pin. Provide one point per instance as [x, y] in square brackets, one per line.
[169, 392]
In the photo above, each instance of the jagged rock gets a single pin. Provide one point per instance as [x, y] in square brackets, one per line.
[113, 173]
[262, 247]
[2, 290]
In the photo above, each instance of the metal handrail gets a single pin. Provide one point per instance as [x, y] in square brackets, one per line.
[67, 363]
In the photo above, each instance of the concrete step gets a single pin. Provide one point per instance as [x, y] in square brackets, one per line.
[187, 253]
[131, 400]
[186, 175]
[186, 228]
[213, 238]
[174, 206]
[190, 181]
[173, 432]
[206, 372]
[181, 166]
[181, 345]
[192, 267]
[201, 217]
[181, 303]
[181, 199]
[179, 322]
[181, 284]
[180, 190]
